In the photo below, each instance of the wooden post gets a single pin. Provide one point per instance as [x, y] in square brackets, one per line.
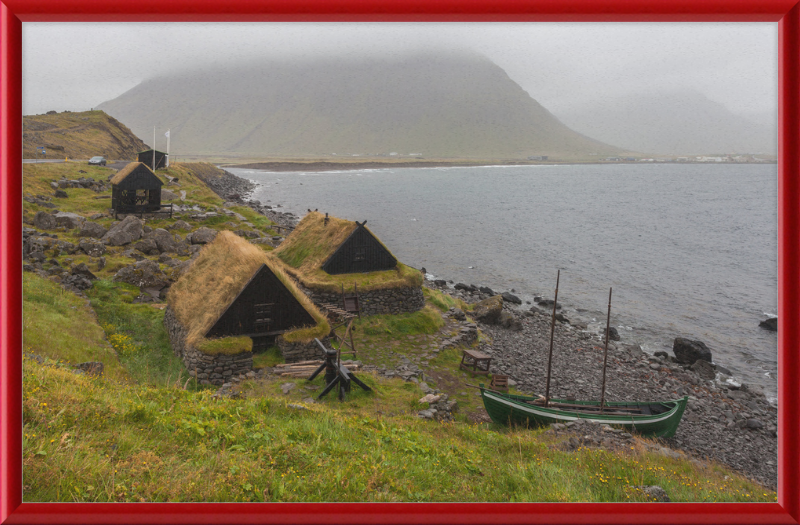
[550, 356]
[605, 354]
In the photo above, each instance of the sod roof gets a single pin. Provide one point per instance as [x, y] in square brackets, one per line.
[223, 267]
[127, 170]
[312, 242]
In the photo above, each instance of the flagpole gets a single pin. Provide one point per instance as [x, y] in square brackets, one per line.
[154, 149]
[168, 137]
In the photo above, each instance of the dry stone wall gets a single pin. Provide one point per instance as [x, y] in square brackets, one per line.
[210, 369]
[296, 352]
[373, 302]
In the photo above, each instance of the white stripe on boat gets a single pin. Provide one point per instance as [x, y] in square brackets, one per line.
[563, 417]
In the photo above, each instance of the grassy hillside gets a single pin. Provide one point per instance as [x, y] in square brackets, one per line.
[420, 106]
[145, 432]
[78, 135]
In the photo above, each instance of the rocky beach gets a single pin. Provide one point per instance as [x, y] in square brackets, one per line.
[734, 425]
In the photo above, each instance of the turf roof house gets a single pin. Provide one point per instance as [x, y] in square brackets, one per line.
[135, 189]
[324, 253]
[233, 300]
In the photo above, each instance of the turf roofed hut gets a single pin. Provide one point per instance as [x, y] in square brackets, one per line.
[135, 189]
[235, 300]
[146, 157]
[325, 254]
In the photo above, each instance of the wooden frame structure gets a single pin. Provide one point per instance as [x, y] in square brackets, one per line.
[136, 189]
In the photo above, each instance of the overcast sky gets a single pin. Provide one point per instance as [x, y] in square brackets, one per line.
[76, 66]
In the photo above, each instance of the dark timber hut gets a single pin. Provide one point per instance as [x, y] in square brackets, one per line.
[336, 246]
[135, 189]
[234, 289]
[146, 157]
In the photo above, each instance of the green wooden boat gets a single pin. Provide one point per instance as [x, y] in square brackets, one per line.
[659, 419]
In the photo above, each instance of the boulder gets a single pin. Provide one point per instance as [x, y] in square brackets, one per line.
[546, 303]
[488, 311]
[561, 318]
[180, 225]
[164, 240]
[92, 368]
[486, 290]
[466, 287]
[144, 274]
[69, 220]
[92, 229]
[167, 195]
[83, 270]
[770, 324]
[124, 232]
[440, 282]
[613, 335]
[654, 492]
[92, 248]
[78, 282]
[507, 320]
[147, 247]
[44, 221]
[61, 194]
[458, 314]
[511, 298]
[704, 369]
[202, 236]
[688, 351]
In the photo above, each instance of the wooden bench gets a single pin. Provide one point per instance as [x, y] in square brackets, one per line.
[476, 362]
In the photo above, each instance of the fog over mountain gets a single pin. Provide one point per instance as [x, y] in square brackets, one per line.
[673, 123]
[450, 104]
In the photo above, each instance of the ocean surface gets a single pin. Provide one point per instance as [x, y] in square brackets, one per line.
[689, 249]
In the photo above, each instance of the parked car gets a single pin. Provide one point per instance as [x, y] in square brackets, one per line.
[100, 161]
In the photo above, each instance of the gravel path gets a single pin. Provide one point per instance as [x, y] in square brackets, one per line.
[736, 427]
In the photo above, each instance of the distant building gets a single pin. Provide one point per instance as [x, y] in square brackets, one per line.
[538, 157]
[135, 189]
[146, 157]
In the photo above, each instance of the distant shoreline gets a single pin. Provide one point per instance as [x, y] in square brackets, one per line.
[368, 165]
[288, 166]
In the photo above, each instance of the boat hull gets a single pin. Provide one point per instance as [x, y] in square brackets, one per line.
[509, 409]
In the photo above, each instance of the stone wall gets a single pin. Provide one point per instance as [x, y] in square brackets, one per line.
[211, 369]
[296, 352]
[373, 302]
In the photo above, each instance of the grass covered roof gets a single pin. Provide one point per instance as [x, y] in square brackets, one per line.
[312, 242]
[127, 170]
[222, 269]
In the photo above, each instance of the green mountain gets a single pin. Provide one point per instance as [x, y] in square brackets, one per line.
[444, 105]
[78, 135]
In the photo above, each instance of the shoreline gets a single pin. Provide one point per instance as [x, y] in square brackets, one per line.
[732, 424]
[323, 166]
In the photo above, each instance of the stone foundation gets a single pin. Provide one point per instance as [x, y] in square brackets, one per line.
[210, 369]
[296, 352]
[373, 302]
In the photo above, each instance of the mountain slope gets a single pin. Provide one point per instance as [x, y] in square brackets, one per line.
[451, 105]
[677, 123]
[78, 136]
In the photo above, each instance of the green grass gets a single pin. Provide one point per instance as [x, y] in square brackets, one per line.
[226, 345]
[269, 358]
[59, 325]
[94, 440]
[137, 332]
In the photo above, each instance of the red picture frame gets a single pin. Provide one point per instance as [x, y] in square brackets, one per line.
[13, 12]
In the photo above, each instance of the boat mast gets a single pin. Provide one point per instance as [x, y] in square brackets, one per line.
[605, 354]
[550, 356]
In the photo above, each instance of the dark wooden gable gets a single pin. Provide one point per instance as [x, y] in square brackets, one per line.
[264, 307]
[141, 178]
[360, 252]
[147, 158]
